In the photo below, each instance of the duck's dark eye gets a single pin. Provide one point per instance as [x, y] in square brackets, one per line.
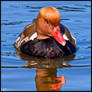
[47, 21]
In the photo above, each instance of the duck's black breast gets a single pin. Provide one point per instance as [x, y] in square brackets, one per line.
[42, 48]
[47, 48]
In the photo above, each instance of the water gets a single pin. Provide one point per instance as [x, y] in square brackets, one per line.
[20, 72]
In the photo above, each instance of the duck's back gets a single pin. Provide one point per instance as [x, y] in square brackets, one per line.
[28, 31]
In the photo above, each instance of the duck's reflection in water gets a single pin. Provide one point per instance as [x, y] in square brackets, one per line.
[46, 71]
[47, 80]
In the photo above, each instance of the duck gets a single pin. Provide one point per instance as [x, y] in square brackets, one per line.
[46, 37]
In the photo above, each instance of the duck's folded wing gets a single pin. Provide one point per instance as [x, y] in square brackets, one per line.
[25, 36]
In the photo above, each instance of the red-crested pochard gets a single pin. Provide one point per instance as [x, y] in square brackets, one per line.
[46, 37]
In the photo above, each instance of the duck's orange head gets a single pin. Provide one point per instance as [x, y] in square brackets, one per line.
[48, 24]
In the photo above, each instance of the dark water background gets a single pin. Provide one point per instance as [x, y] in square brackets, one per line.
[23, 73]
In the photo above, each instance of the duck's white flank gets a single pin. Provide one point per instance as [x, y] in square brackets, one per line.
[33, 36]
[65, 37]
[17, 39]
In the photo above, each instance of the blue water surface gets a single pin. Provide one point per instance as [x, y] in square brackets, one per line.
[23, 73]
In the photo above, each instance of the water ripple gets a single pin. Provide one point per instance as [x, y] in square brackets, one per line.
[83, 58]
[30, 7]
[66, 8]
[4, 20]
[8, 54]
[87, 5]
[15, 23]
[7, 44]
[83, 5]
[13, 6]
[64, 19]
[33, 11]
